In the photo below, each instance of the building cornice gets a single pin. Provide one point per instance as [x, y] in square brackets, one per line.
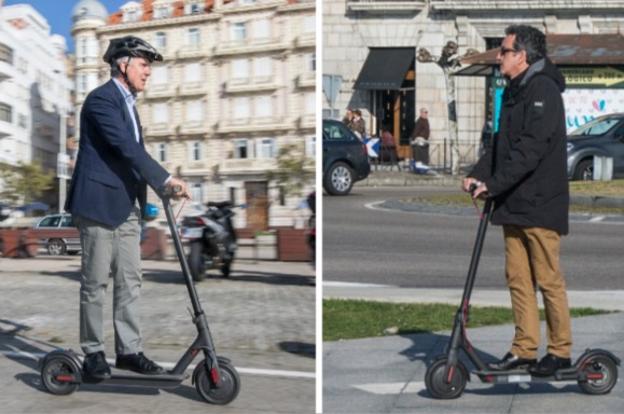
[527, 5]
[171, 21]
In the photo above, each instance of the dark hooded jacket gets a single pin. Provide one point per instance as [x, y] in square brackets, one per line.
[524, 168]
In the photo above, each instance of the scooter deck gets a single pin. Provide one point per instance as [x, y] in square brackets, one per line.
[134, 379]
[522, 375]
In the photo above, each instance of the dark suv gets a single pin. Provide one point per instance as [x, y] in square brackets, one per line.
[345, 159]
[604, 136]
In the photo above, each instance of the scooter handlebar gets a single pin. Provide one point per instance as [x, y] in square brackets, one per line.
[169, 192]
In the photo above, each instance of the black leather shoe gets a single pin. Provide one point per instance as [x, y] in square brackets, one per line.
[510, 361]
[138, 363]
[548, 365]
[95, 366]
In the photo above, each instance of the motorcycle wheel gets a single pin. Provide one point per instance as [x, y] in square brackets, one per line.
[196, 262]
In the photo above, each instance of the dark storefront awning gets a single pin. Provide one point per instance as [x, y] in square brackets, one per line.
[563, 50]
[385, 68]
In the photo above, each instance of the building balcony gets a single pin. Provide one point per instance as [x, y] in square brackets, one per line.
[384, 6]
[7, 129]
[306, 121]
[7, 71]
[88, 62]
[158, 130]
[191, 128]
[189, 52]
[247, 165]
[192, 89]
[250, 85]
[237, 47]
[306, 80]
[161, 90]
[252, 124]
[305, 40]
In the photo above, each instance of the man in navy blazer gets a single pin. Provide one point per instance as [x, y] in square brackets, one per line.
[106, 198]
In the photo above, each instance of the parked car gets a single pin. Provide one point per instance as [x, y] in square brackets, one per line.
[58, 234]
[345, 159]
[604, 136]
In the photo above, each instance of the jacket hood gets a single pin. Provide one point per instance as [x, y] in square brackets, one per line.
[544, 67]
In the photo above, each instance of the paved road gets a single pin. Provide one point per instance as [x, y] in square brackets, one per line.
[420, 250]
[262, 318]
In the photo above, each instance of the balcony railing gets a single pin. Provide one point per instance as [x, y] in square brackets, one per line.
[234, 47]
[159, 90]
[192, 89]
[381, 6]
[244, 85]
[306, 80]
[191, 51]
[243, 165]
[253, 124]
[158, 129]
[305, 40]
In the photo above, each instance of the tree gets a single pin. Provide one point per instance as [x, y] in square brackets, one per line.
[24, 183]
[294, 169]
[448, 61]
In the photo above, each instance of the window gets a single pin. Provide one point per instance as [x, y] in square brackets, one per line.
[131, 15]
[240, 149]
[194, 8]
[310, 103]
[311, 59]
[6, 53]
[194, 110]
[162, 152]
[160, 40]
[6, 113]
[263, 107]
[160, 113]
[67, 221]
[52, 221]
[265, 148]
[240, 69]
[241, 108]
[192, 72]
[309, 24]
[239, 31]
[310, 150]
[233, 195]
[337, 132]
[195, 152]
[261, 29]
[82, 83]
[196, 192]
[193, 37]
[22, 120]
[83, 46]
[162, 11]
[263, 67]
[596, 127]
[160, 75]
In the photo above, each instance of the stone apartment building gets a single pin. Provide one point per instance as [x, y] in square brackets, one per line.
[34, 90]
[237, 83]
[355, 31]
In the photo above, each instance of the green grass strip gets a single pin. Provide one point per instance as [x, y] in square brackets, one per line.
[350, 319]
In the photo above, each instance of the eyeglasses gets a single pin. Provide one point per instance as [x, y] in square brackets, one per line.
[503, 51]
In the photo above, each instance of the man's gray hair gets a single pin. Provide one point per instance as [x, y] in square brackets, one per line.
[114, 71]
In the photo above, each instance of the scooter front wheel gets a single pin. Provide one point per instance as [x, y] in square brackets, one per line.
[59, 374]
[229, 384]
[602, 374]
[437, 385]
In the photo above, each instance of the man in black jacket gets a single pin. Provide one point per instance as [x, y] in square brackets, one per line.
[524, 171]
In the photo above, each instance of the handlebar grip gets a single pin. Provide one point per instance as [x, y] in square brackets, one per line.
[170, 191]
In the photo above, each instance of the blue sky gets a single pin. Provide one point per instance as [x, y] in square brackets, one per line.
[58, 13]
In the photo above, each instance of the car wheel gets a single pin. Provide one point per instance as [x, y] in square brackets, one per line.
[584, 170]
[56, 247]
[339, 179]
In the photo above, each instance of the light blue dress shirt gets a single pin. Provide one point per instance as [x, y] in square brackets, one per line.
[130, 101]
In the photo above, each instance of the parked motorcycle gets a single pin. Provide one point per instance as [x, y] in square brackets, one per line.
[211, 238]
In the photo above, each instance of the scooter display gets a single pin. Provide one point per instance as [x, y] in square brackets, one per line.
[211, 238]
[215, 377]
[595, 370]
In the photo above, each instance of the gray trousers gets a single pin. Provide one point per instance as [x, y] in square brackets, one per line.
[110, 252]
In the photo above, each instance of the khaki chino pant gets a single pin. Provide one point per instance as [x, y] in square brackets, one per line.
[531, 262]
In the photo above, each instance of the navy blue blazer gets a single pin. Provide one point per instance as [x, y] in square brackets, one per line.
[113, 169]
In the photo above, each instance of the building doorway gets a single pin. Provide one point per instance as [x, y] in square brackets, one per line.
[257, 199]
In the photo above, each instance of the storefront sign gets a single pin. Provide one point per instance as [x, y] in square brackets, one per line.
[593, 77]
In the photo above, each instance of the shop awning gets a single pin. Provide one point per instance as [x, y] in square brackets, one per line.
[563, 50]
[385, 68]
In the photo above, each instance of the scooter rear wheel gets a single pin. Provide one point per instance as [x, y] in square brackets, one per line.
[59, 375]
[438, 387]
[228, 389]
[599, 364]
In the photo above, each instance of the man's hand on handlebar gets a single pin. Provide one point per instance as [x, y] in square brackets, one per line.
[178, 189]
[476, 188]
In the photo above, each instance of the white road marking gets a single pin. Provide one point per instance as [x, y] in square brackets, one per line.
[328, 283]
[596, 219]
[16, 353]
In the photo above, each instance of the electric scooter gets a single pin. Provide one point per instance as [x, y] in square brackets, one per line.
[595, 370]
[215, 377]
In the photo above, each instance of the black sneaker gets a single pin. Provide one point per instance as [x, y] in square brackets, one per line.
[139, 363]
[510, 361]
[95, 366]
[549, 365]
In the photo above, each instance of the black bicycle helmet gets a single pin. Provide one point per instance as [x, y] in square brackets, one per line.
[130, 46]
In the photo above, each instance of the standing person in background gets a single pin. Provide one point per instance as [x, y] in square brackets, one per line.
[357, 125]
[348, 118]
[419, 140]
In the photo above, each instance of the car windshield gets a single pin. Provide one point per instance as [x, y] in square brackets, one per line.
[596, 127]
